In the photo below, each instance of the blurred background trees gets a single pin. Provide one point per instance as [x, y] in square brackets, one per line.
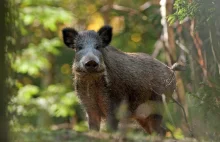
[42, 97]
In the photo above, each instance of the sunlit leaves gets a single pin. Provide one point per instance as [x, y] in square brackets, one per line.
[202, 9]
[171, 19]
[39, 22]
[26, 93]
[177, 132]
[33, 59]
[183, 9]
[47, 16]
[81, 127]
[60, 102]
[57, 101]
[64, 107]
[22, 104]
[50, 45]
[37, 2]
[54, 99]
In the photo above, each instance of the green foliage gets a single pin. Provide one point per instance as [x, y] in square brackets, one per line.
[177, 132]
[38, 24]
[208, 99]
[55, 99]
[38, 2]
[46, 16]
[203, 10]
[26, 93]
[182, 9]
[81, 127]
[64, 107]
[33, 59]
[43, 81]
[205, 95]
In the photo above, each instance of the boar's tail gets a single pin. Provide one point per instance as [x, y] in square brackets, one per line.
[178, 67]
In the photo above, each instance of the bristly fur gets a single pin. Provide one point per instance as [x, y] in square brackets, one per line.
[135, 78]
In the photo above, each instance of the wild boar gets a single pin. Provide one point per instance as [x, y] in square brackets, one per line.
[106, 76]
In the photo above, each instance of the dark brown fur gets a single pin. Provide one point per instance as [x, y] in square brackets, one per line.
[135, 78]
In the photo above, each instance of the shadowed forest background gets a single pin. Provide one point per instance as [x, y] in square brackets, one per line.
[42, 105]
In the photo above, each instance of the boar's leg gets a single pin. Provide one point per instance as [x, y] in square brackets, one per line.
[93, 112]
[112, 121]
[94, 120]
[89, 102]
[152, 124]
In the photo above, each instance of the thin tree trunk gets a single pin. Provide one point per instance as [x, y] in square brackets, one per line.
[170, 46]
[44, 120]
[214, 43]
[105, 11]
[3, 90]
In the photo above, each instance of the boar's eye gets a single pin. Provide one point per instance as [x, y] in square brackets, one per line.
[79, 48]
[96, 47]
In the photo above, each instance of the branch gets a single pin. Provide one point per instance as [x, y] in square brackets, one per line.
[145, 6]
[158, 46]
[126, 9]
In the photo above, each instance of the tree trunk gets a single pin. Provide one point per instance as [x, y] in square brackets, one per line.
[168, 38]
[3, 89]
[44, 120]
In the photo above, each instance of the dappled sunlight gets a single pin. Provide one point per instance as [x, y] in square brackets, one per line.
[118, 24]
[65, 69]
[44, 102]
[95, 22]
[136, 37]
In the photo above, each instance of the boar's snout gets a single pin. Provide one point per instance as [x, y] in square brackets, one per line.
[91, 66]
[89, 61]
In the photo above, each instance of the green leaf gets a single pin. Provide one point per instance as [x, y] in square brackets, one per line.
[26, 93]
[47, 16]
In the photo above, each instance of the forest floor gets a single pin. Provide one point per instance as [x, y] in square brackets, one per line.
[66, 135]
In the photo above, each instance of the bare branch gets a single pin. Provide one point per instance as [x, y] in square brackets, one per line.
[158, 46]
[145, 6]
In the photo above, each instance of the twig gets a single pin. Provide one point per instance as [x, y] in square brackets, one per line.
[123, 8]
[182, 46]
[158, 46]
[119, 8]
[145, 6]
[184, 112]
[167, 109]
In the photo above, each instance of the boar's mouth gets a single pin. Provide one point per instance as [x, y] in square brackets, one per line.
[78, 71]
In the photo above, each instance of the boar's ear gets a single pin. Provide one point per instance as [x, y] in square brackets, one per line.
[69, 35]
[106, 34]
